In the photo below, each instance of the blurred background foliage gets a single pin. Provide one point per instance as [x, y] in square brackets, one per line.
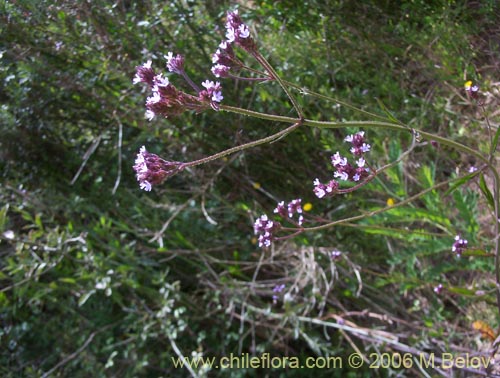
[101, 279]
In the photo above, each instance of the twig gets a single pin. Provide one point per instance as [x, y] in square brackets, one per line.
[86, 158]
[120, 136]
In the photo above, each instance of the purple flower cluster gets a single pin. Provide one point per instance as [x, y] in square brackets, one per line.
[438, 289]
[175, 63]
[237, 32]
[166, 99]
[288, 211]
[224, 59]
[212, 93]
[277, 290]
[324, 190]
[343, 169]
[459, 246]
[152, 170]
[264, 227]
[472, 90]
[335, 254]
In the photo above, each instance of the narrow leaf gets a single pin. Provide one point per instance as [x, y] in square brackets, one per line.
[486, 192]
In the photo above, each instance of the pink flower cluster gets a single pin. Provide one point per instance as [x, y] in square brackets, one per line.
[459, 246]
[237, 32]
[288, 211]
[166, 100]
[264, 227]
[277, 290]
[343, 169]
[152, 170]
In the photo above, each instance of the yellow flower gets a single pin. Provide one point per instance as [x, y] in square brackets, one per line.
[468, 85]
[390, 201]
[256, 185]
[307, 206]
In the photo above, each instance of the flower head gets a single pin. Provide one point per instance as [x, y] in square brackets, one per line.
[293, 207]
[264, 227]
[281, 209]
[238, 32]
[459, 246]
[359, 147]
[144, 74]
[277, 290]
[471, 90]
[175, 63]
[438, 289]
[220, 70]
[152, 170]
[211, 94]
[166, 100]
[325, 190]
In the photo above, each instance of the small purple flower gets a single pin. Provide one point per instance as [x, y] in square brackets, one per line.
[459, 246]
[341, 175]
[438, 289]
[217, 96]
[277, 290]
[335, 254]
[243, 31]
[152, 170]
[149, 115]
[230, 35]
[160, 81]
[175, 64]
[472, 90]
[338, 160]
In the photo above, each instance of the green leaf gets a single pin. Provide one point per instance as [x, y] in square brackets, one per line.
[477, 252]
[462, 291]
[486, 192]
[387, 112]
[495, 142]
[67, 280]
[3, 217]
[459, 183]
[85, 297]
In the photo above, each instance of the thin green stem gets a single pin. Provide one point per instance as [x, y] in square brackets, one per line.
[269, 68]
[242, 147]
[381, 210]
[333, 99]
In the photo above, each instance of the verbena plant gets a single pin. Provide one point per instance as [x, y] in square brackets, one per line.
[351, 175]
[99, 278]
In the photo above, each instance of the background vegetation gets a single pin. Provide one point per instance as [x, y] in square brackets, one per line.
[98, 278]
